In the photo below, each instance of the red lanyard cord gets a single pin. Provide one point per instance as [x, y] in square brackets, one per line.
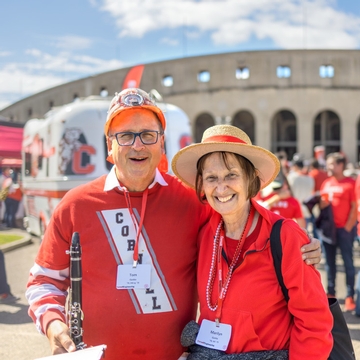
[133, 218]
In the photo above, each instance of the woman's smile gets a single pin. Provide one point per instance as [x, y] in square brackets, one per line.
[224, 199]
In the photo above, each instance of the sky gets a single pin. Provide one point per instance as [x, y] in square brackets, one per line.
[45, 43]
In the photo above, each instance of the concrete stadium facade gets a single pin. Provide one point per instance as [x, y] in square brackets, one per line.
[291, 100]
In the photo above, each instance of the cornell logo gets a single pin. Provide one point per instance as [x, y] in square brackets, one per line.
[75, 154]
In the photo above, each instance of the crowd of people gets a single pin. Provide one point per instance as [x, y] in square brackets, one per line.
[329, 197]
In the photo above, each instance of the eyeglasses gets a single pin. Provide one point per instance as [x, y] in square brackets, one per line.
[147, 137]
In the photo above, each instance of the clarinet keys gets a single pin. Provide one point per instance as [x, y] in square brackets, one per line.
[75, 313]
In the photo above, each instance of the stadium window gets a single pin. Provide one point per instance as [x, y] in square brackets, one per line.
[203, 76]
[283, 72]
[242, 73]
[30, 112]
[51, 104]
[326, 71]
[104, 92]
[168, 81]
[76, 97]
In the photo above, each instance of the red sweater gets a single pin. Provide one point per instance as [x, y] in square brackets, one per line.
[133, 324]
[254, 305]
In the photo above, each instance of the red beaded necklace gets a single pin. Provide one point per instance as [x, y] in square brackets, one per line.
[216, 260]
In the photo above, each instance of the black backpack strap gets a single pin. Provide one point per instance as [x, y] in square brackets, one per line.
[276, 251]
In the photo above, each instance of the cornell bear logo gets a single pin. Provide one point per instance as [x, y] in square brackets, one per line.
[72, 141]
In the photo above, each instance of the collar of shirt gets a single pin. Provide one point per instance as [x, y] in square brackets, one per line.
[112, 182]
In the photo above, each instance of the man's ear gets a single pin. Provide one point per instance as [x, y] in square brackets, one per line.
[109, 145]
[109, 158]
[162, 144]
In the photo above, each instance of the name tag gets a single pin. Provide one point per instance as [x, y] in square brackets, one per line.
[129, 277]
[212, 336]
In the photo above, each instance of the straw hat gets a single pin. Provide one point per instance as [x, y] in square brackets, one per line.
[225, 138]
[131, 99]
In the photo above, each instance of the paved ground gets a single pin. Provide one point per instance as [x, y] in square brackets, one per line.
[19, 337]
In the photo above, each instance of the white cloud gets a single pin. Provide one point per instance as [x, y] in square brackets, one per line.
[169, 41]
[93, 2]
[24, 83]
[45, 71]
[289, 24]
[72, 42]
[65, 63]
[4, 103]
[18, 83]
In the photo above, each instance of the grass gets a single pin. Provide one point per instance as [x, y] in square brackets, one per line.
[7, 238]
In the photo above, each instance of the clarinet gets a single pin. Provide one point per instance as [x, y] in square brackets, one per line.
[75, 313]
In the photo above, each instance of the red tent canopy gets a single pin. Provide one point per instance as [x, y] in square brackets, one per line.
[10, 142]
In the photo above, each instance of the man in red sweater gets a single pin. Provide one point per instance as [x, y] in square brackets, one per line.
[134, 223]
[339, 191]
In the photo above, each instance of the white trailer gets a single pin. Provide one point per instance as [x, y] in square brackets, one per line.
[68, 148]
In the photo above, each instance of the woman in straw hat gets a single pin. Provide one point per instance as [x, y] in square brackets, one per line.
[242, 308]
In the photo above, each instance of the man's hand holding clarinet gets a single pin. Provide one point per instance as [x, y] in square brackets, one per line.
[58, 332]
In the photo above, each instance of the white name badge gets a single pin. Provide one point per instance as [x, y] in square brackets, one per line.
[129, 277]
[212, 336]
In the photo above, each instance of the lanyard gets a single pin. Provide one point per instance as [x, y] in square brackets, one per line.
[224, 284]
[133, 218]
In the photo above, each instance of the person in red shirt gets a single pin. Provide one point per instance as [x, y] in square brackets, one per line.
[317, 174]
[12, 203]
[281, 202]
[12, 200]
[339, 192]
[239, 294]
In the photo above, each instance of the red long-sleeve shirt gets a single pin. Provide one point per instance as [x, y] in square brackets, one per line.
[255, 307]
